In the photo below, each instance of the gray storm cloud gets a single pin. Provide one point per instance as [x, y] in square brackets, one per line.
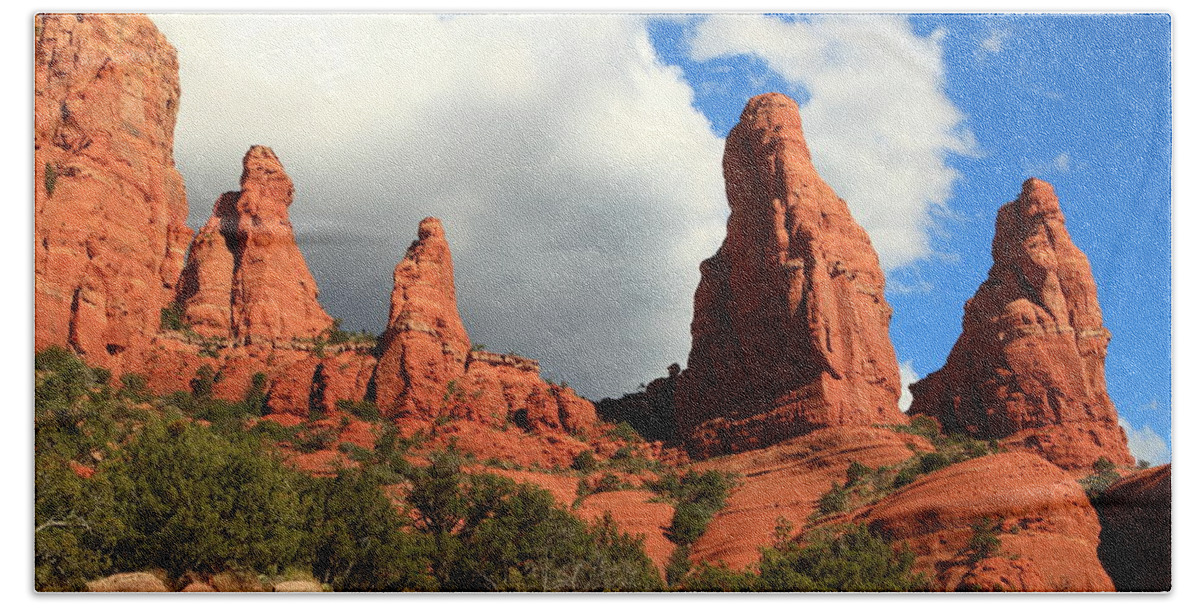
[579, 187]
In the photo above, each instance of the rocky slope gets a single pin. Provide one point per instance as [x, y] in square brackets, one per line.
[1135, 535]
[790, 331]
[1029, 365]
[110, 209]
[1048, 531]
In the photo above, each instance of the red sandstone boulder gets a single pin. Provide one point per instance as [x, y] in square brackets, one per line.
[790, 331]
[1047, 530]
[109, 205]
[246, 277]
[1029, 365]
[1135, 530]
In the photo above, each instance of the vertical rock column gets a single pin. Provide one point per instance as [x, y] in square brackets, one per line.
[1029, 365]
[790, 331]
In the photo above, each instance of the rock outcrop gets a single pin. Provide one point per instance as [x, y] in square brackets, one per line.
[787, 480]
[790, 331]
[1135, 530]
[246, 278]
[1029, 366]
[428, 370]
[110, 210]
[1047, 531]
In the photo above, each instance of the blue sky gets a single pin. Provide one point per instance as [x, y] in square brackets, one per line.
[576, 163]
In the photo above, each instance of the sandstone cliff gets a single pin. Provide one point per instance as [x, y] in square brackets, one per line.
[110, 209]
[1029, 365]
[246, 278]
[790, 331]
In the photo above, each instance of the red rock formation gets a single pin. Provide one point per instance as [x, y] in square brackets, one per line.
[790, 331]
[1029, 365]
[246, 277]
[1135, 530]
[425, 345]
[428, 370]
[109, 206]
[1048, 530]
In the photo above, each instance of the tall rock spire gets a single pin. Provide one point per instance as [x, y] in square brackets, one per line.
[246, 278]
[790, 331]
[425, 345]
[1029, 365]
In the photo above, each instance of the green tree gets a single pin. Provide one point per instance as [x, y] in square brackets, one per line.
[193, 500]
[357, 537]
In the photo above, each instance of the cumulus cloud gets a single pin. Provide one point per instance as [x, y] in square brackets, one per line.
[1145, 444]
[579, 187]
[908, 375]
[878, 119]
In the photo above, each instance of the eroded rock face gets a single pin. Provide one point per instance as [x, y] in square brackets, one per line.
[246, 278]
[790, 331]
[1029, 365]
[1135, 530]
[110, 209]
[1047, 530]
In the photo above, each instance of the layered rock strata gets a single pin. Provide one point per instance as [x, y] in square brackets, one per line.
[1028, 368]
[110, 208]
[790, 331]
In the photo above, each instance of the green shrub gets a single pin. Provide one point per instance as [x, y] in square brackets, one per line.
[856, 472]
[584, 461]
[171, 318]
[985, 540]
[852, 560]
[625, 432]
[833, 501]
[363, 410]
[357, 538]
[50, 178]
[706, 577]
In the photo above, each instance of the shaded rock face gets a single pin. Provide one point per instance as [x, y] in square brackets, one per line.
[1135, 530]
[110, 208]
[1047, 530]
[428, 370]
[1029, 365]
[246, 278]
[790, 331]
[651, 412]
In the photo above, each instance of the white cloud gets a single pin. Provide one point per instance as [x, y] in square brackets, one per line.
[579, 187]
[1145, 444]
[908, 376]
[1062, 163]
[994, 43]
[879, 122]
